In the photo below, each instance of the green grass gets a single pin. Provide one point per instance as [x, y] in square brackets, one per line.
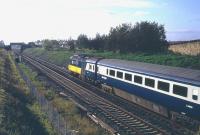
[42, 116]
[161, 58]
[170, 59]
[3, 97]
[16, 118]
[58, 57]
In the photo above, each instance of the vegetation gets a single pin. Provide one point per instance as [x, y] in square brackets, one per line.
[125, 38]
[170, 59]
[16, 117]
[50, 44]
[144, 41]
[75, 121]
[58, 57]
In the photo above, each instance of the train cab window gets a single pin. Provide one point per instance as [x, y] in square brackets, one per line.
[163, 86]
[119, 74]
[180, 90]
[112, 72]
[90, 66]
[73, 62]
[195, 95]
[128, 77]
[138, 79]
[150, 82]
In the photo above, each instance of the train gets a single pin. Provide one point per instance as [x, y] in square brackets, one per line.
[162, 89]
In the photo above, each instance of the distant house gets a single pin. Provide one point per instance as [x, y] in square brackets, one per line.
[64, 44]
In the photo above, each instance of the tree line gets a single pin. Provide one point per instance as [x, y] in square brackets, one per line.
[143, 36]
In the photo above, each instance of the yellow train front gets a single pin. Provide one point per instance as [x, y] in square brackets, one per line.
[74, 69]
[77, 65]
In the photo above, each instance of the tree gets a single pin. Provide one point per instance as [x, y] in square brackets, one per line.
[82, 41]
[119, 38]
[144, 36]
[98, 42]
[50, 44]
[71, 44]
[149, 36]
[31, 44]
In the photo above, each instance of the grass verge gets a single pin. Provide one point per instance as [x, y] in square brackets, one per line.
[75, 121]
[16, 118]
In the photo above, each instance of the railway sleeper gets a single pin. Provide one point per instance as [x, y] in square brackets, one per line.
[152, 133]
[128, 132]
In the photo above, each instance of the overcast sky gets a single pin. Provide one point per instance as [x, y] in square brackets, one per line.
[30, 20]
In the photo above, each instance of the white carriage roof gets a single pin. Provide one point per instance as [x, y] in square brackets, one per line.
[172, 73]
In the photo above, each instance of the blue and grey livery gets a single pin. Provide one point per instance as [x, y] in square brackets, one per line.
[162, 89]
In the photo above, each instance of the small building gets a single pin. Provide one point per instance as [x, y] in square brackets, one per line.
[17, 47]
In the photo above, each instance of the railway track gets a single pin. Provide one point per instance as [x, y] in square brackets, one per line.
[118, 114]
[121, 120]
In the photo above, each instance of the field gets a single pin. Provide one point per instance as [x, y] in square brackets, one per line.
[170, 59]
[192, 48]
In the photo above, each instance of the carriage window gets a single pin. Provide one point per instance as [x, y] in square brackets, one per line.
[138, 79]
[150, 82]
[195, 95]
[180, 90]
[112, 72]
[128, 77]
[119, 74]
[163, 86]
[93, 67]
[107, 71]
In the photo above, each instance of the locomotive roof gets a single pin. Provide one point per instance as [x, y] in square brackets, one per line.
[92, 60]
[173, 73]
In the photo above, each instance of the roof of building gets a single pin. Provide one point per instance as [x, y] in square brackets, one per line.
[17, 43]
[172, 73]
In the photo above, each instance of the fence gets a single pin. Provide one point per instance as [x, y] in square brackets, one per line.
[57, 120]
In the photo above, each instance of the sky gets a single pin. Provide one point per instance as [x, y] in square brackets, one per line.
[31, 20]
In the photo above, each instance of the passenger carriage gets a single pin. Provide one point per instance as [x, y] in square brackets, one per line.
[156, 87]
